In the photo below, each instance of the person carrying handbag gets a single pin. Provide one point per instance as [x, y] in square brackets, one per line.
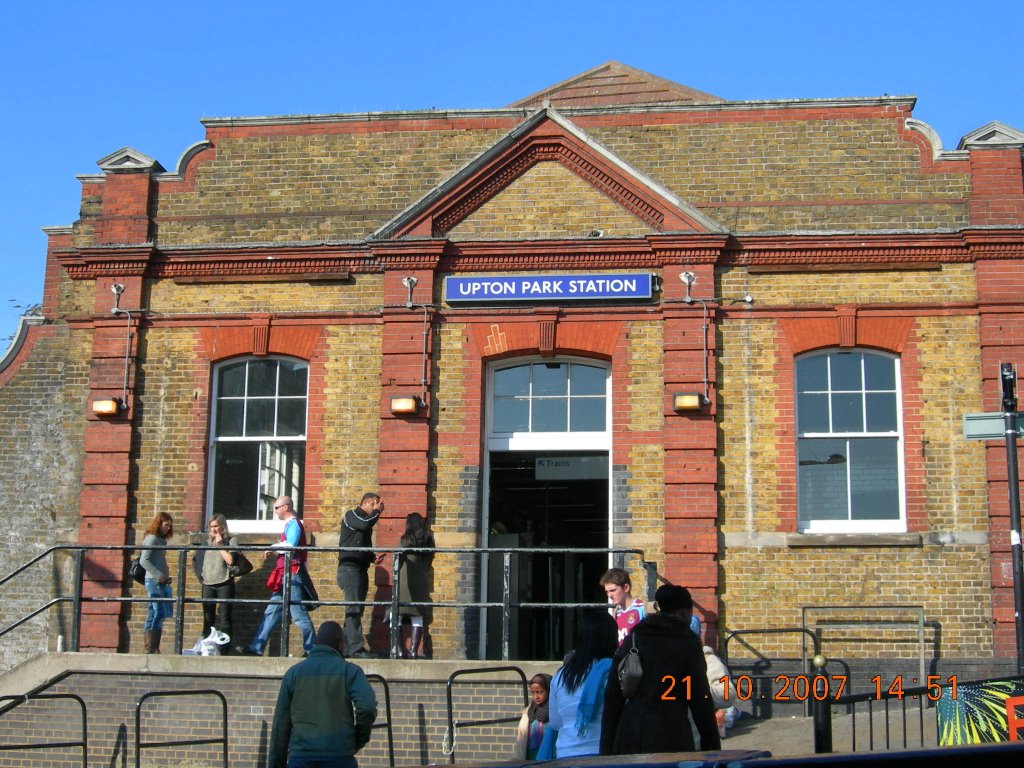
[215, 570]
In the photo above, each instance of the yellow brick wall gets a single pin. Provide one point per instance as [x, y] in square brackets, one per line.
[359, 293]
[310, 188]
[548, 201]
[766, 584]
[953, 282]
[843, 160]
[456, 523]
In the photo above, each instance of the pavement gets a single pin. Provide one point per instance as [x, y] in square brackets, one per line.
[794, 736]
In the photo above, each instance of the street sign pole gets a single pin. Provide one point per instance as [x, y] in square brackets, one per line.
[1008, 377]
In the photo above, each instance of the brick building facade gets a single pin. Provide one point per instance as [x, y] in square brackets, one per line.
[836, 288]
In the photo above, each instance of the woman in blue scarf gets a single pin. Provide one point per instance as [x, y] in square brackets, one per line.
[577, 691]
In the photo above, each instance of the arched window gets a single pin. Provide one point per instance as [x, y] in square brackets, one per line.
[258, 438]
[849, 443]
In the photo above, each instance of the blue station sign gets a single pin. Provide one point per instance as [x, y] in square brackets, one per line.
[548, 287]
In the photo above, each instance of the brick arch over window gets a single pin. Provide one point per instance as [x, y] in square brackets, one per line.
[847, 329]
[260, 337]
[547, 337]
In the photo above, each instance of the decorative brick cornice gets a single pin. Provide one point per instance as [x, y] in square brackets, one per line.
[408, 254]
[995, 243]
[115, 261]
[315, 261]
[845, 249]
[652, 252]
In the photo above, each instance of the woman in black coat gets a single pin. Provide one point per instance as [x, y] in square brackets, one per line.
[674, 683]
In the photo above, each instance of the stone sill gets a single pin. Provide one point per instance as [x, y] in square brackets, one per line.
[853, 540]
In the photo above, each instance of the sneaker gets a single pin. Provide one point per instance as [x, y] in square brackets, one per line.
[247, 651]
[363, 653]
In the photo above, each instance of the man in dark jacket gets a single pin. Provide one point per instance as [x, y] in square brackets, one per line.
[324, 710]
[357, 532]
[674, 683]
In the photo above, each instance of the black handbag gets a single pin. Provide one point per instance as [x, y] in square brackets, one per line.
[630, 670]
[136, 571]
[240, 565]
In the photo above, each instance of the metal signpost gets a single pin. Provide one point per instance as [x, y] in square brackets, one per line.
[985, 426]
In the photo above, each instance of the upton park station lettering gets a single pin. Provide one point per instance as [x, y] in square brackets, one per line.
[534, 287]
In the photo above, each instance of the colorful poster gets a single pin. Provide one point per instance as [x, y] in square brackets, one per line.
[982, 712]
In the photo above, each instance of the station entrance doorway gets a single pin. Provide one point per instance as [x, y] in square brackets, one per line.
[538, 500]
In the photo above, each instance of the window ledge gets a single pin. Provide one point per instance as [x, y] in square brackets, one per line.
[853, 540]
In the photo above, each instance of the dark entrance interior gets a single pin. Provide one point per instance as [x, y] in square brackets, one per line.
[537, 500]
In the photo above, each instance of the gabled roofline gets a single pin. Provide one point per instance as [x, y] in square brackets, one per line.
[507, 141]
[449, 114]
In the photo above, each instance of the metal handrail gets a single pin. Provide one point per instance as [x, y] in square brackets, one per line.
[374, 678]
[140, 745]
[453, 724]
[83, 743]
[179, 599]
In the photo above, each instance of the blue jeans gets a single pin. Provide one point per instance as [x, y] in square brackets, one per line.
[271, 616]
[157, 612]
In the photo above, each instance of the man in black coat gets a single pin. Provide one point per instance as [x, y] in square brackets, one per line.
[357, 531]
[674, 683]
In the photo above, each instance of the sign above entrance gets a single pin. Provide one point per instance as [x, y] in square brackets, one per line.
[548, 287]
[571, 468]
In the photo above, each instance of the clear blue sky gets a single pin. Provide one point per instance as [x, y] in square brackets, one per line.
[83, 78]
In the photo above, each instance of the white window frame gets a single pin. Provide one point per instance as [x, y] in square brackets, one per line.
[249, 525]
[540, 441]
[898, 525]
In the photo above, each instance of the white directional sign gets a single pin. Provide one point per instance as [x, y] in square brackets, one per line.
[989, 426]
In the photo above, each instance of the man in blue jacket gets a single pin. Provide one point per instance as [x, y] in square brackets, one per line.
[324, 710]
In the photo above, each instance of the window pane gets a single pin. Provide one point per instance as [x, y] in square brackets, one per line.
[588, 380]
[511, 415]
[879, 372]
[291, 417]
[822, 480]
[845, 371]
[881, 412]
[234, 480]
[812, 413]
[229, 418]
[293, 378]
[232, 381]
[812, 374]
[260, 418]
[512, 381]
[587, 414]
[550, 415]
[875, 479]
[847, 413]
[262, 378]
[550, 379]
[280, 474]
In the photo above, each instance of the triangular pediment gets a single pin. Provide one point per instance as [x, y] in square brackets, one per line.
[545, 137]
[128, 160]
[992, 136]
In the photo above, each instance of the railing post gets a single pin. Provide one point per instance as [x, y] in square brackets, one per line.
[396, 620]
[506, 602]
[821, 710]
[286, 603]
[76, 604]
[179, 603]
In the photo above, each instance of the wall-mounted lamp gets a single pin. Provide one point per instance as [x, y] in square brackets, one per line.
[108, 407]
[687, 401]
[405, 406]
